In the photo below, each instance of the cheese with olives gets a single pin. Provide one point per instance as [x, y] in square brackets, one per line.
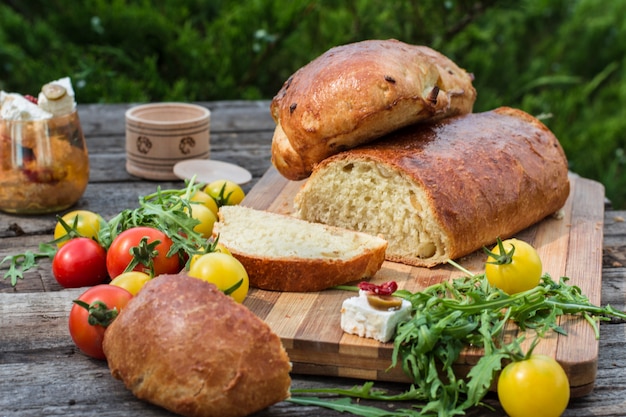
[359, 317]
[14, 106]
[57, 97]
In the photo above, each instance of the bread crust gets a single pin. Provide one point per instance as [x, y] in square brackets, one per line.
[355, 93]
[484, 175]
[304, 275]
[184, 345]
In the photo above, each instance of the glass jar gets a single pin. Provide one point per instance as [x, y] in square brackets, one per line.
[44, 165]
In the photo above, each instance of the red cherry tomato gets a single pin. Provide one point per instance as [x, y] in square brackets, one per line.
[80, 262]
[119, 255]
[88, 337]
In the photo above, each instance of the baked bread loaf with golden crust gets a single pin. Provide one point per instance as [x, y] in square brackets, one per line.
[185, 346]
[443, 190]
[358, 92]
[283, 253]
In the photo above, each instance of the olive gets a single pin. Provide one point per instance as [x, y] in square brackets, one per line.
[384, 302]
[53, 91]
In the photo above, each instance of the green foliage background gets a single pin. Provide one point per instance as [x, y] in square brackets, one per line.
[561, 60]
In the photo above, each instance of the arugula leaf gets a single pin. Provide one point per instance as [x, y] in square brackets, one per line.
[166, 210]
[367, 391]
[481, 377]
[20, 263]
[344, 405]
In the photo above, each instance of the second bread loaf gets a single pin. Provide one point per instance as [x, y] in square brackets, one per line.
[443, 190]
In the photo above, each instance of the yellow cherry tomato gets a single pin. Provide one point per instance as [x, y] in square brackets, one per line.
[224, 271]
[513, 266]
[85, 222]
[221, 248]
[206, 218]
[207, 200]
[218, 248]
[225, 192]
[132, 281]
[537, 386]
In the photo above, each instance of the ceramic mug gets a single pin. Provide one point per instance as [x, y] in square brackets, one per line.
[158, 135]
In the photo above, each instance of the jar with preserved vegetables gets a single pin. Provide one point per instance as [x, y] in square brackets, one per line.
[44, 164]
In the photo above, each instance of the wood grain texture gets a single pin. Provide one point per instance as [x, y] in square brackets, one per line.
[309, 323]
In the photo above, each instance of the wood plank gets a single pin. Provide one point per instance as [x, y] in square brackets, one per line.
[37, 321]
[584, 259]
[569, 246]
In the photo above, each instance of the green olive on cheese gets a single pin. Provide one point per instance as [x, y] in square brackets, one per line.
[384, 302]
[53, 91]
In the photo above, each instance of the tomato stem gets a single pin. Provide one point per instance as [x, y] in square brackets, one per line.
[144, 254]
[501, 258]
[222, 199]
[233, 288]
[70, 231]
[461, 268]
[99, 313]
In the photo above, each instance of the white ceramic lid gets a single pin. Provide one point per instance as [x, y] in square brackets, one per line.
[209, 170]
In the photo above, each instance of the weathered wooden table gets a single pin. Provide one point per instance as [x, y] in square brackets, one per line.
[41, 373]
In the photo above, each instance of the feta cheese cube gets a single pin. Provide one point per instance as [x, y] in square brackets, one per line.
[360, 318]
[63, 105]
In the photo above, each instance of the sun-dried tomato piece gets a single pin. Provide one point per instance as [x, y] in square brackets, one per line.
[32, 99]
[386, 288]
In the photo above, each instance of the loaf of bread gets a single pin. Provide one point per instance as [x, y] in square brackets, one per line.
[443, 190]
[284, 253]
[358, 92]
[185, 346]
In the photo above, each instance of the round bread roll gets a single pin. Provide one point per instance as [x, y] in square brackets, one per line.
[355, 93]
[185, 346]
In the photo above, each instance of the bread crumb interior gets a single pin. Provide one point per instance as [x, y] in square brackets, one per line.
[281, 236]
[370, 198]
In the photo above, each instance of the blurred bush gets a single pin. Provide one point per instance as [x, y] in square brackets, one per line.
[561, 60]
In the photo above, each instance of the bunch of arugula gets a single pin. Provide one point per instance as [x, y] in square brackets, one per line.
[450, 316]
[166, 210]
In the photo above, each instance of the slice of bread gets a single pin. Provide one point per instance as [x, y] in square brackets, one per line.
[284, 253]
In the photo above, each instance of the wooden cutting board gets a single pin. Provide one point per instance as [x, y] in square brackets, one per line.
[309, 323]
